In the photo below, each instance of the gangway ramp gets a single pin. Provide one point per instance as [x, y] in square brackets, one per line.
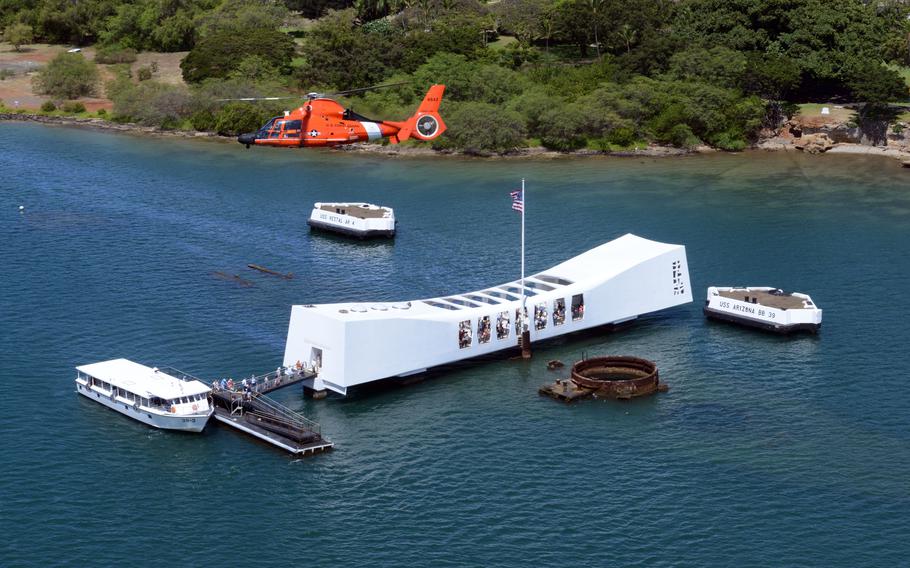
[270, 421]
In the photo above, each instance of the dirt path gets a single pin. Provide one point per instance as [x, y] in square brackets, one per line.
[16, 91]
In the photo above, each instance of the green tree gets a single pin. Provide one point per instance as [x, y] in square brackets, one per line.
[19, 35]
[339, 54]
[564, 128]
[237, 118]
[220, 53]
[239, 16]
[572, 23]
[521, 18]
[718, 65]
[483, 127]
[467, 80]
[67, 76]
[872, 82]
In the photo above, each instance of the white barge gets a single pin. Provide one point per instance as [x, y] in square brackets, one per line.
[157, 397]
[354, 343]
[362, 220]
[764, 307]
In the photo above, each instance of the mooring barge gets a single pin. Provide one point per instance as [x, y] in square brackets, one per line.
[361, 220]
[766, 308]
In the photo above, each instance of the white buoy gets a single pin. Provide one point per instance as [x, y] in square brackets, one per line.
[21, 208]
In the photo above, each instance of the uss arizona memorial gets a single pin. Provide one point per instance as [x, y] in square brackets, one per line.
[355, 343]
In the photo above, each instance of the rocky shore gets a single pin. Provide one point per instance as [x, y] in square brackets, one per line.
[833, 138]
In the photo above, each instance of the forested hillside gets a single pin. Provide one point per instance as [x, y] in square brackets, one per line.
[565, 74]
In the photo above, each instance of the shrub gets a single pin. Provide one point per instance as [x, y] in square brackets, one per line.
[622, 136]
[563, 128]
[68, 76]
[203, 120]
[483, 127]
[144, 73]
[683, 137]
[218, 54]
[5, 73]
[115, 54]
[73, 107]
[48, 106]
[102, 112]
[19, 35]
[236, 118]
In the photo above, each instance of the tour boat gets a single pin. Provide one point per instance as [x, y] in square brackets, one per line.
[163, 398]
[361, 220]
[354, 343]
[766, 308]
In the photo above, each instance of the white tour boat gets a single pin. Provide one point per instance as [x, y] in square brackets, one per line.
[764, 307]
[361, 220]
[158, 397]
[355, 343]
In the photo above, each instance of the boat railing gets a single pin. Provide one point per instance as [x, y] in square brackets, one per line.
[267, 381]
[178, 374]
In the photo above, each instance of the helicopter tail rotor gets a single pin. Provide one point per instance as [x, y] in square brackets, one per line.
[425, 124]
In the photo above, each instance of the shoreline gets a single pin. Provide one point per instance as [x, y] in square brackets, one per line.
[775, 144]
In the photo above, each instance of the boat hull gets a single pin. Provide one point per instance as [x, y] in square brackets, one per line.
[183, 422]
[783, 329]
[350, 231]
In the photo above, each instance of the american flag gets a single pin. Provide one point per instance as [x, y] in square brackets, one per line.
[518, 200]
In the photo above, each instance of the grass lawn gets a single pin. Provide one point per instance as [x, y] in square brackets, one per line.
[502, 42]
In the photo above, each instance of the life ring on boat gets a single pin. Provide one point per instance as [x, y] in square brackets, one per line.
[195, 407]
[173, 410]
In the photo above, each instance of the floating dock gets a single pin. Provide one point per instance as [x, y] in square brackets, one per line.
[249, 410]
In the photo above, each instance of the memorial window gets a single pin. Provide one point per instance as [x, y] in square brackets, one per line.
[540, 316]
[559, 311]
[484, 328]
[464, 334]
[520, 321]
[502, 325]
[578, 307]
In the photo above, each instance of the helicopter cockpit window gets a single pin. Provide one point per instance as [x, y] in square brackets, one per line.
[291, 129]
[275, 131]
[268, 125]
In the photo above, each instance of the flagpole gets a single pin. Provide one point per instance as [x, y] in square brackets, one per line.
[526, 334]
[524, 199]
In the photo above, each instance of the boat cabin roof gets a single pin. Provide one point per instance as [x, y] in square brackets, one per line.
[359, 210]
[768, 297]
[145, 381]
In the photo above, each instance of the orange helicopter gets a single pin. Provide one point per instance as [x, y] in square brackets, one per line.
[324, 122]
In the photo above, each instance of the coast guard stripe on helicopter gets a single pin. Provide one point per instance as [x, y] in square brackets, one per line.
[373, 131]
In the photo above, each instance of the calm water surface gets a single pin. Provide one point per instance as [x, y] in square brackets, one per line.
[766, 450]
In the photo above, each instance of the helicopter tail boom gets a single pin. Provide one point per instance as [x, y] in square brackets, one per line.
[425, 124]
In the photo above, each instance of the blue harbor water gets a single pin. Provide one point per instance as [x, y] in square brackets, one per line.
[766, 451]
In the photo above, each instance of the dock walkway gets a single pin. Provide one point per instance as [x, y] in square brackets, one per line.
[247, 408]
